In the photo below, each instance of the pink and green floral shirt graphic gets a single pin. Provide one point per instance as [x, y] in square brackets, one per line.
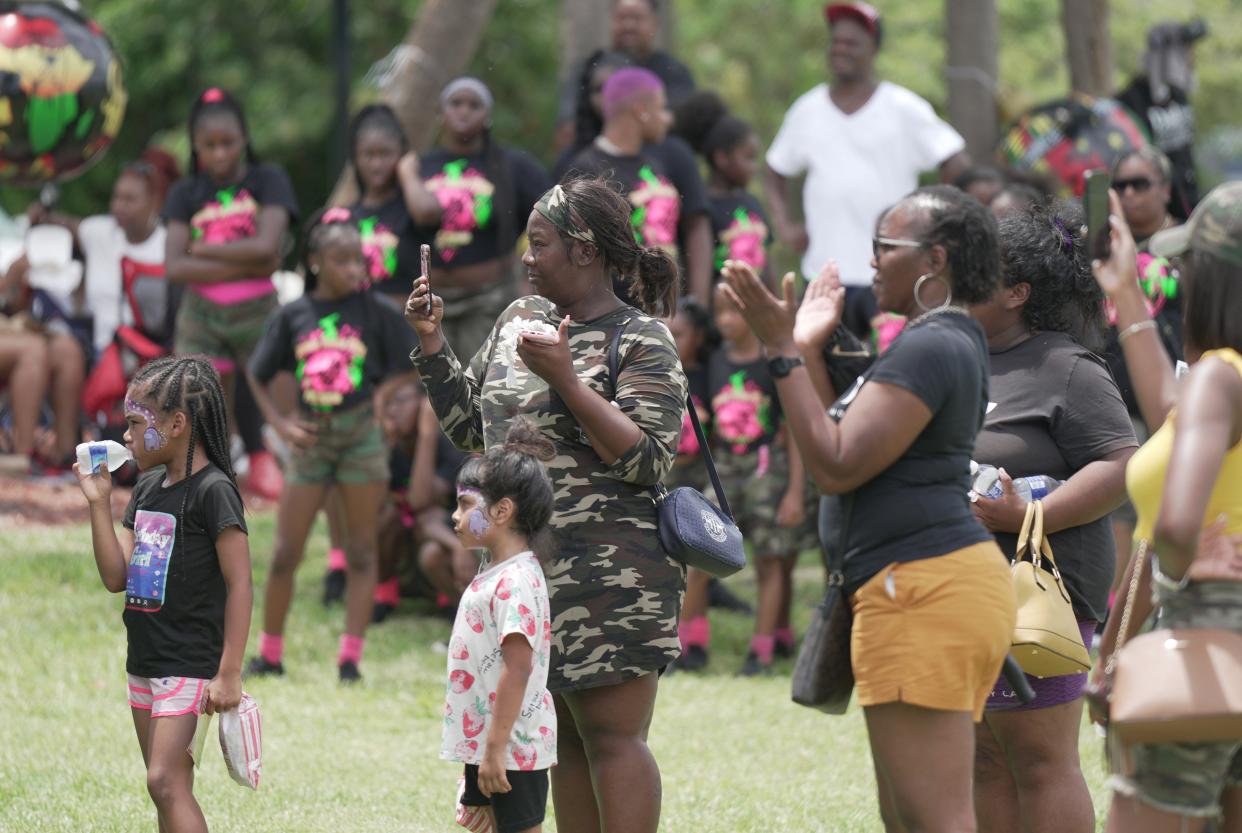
[744, 239]
[510, 598]
[657, 210]
[379, 247]
[330, 361]
[742, 413]
[465, 197]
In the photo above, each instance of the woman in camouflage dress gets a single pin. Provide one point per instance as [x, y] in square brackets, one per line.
[614, 592]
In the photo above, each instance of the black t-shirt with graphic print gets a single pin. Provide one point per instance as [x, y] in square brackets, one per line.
[745, 410]
[740, 229]
[389, 244]
[469, 230]
[218, 214]
[663, 186]
[174, 588]
[339, 350]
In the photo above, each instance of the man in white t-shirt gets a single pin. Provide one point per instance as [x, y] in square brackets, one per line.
[862, 144]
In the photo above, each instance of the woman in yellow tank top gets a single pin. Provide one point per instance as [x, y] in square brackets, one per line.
[1185, 482]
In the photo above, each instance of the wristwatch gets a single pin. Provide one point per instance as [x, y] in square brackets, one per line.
[782, 366]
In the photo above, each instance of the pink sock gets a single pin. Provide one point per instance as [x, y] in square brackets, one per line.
[442, 600]
[698, 631]
[784, 636]
[351, 649]
[388, 592]
[271, 648]
[336, 559]
[763, 646]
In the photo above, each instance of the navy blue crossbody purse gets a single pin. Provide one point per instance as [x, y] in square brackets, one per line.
[691, 528]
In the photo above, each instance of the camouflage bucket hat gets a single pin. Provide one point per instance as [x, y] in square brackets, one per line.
[1214, 227]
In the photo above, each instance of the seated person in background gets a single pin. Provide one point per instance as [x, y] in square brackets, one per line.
[415, 522]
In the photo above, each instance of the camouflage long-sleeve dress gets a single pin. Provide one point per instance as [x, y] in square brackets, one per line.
[615, 594]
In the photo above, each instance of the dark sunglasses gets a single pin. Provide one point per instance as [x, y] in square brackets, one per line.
[1139, 184]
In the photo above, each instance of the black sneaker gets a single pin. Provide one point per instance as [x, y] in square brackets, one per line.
[752, 667]
[333, 587]
[694, 658]
[349, 672]
[722, 597]
[260, 667]
[380, 612]
[783, 651]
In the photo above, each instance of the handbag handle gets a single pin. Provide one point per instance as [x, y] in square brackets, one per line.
[1024, 536]
[614, 360]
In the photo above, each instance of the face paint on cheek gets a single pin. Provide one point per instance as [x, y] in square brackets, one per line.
[153, 438]
[477, 523]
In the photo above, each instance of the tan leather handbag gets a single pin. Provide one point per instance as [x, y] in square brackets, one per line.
[1181, 685]
[1046, 641]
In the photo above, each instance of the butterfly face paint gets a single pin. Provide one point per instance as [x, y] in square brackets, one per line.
[153, 438]
[476, 519]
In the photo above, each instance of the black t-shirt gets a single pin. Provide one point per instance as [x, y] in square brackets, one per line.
[740, 229]
[448, 462]
[174, 589]
[389, 245]
[1172, 129]
[1056, 410]
[222, 215]
[468, 188]
[339, 350]
[918, 507]
[745, 411]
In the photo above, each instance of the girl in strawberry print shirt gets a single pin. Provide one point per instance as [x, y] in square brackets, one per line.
[499, 719]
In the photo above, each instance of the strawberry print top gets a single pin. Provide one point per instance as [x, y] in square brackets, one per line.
[509, 598]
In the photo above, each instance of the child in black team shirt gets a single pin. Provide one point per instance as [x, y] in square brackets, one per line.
[341, 342]
[183, 562]
[740, 229]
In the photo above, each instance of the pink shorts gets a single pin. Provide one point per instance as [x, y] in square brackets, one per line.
[167, 696]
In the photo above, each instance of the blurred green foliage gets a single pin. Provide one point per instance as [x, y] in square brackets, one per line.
[760, 54]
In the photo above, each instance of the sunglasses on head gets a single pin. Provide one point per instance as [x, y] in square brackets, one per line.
[1139, 184]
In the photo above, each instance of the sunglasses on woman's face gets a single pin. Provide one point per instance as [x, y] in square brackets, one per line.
[880, 245]
[1139, 184]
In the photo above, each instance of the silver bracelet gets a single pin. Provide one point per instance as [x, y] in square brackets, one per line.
[1149, 324]
[1164, 581]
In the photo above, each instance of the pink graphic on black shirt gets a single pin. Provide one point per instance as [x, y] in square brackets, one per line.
[230, 216]
[330, 362]
[465, 197]
[379, 248]
[742, 413]
[657, 210]
[744, 239]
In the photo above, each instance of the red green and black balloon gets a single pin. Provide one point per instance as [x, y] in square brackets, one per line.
[62, 96]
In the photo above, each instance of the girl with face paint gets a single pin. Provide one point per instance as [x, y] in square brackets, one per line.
[500, 720]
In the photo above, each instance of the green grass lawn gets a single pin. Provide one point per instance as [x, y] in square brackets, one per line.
[736, 755]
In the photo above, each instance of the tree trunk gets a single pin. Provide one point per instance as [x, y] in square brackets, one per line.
[437, 48]
[1088, 46]
[971, 31]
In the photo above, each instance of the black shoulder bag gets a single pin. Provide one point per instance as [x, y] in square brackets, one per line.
[691, 528]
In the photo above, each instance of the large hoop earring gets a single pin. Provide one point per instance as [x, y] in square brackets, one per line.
[918, 292]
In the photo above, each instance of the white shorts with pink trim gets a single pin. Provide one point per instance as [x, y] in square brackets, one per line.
[167, 696]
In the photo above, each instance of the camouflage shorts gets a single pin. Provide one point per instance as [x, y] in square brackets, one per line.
[1187, 778]
[754, 491]
[469, 317]
[349, 448]
[227, 334]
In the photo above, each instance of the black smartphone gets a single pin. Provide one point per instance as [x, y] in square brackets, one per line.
[1095, 206]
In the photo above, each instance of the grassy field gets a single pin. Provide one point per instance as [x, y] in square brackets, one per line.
[736, 755]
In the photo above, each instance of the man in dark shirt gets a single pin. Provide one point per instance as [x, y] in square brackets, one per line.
[1159, 99]
[635, 26]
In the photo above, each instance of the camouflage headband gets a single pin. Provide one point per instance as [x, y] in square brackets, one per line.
[554, 206]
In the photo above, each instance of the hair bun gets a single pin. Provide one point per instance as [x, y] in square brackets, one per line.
[526, 438]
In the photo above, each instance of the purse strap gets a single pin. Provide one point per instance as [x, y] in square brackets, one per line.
[614, 361]
[1140, 562]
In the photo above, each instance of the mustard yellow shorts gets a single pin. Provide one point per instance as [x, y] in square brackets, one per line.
[933, 633]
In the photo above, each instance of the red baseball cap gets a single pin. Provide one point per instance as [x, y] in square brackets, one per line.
[864, 13]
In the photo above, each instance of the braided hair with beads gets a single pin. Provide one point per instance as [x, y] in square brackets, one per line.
[191, 384]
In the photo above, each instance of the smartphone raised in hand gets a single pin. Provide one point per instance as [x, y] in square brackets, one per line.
[424, 253]
[1095, 206]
